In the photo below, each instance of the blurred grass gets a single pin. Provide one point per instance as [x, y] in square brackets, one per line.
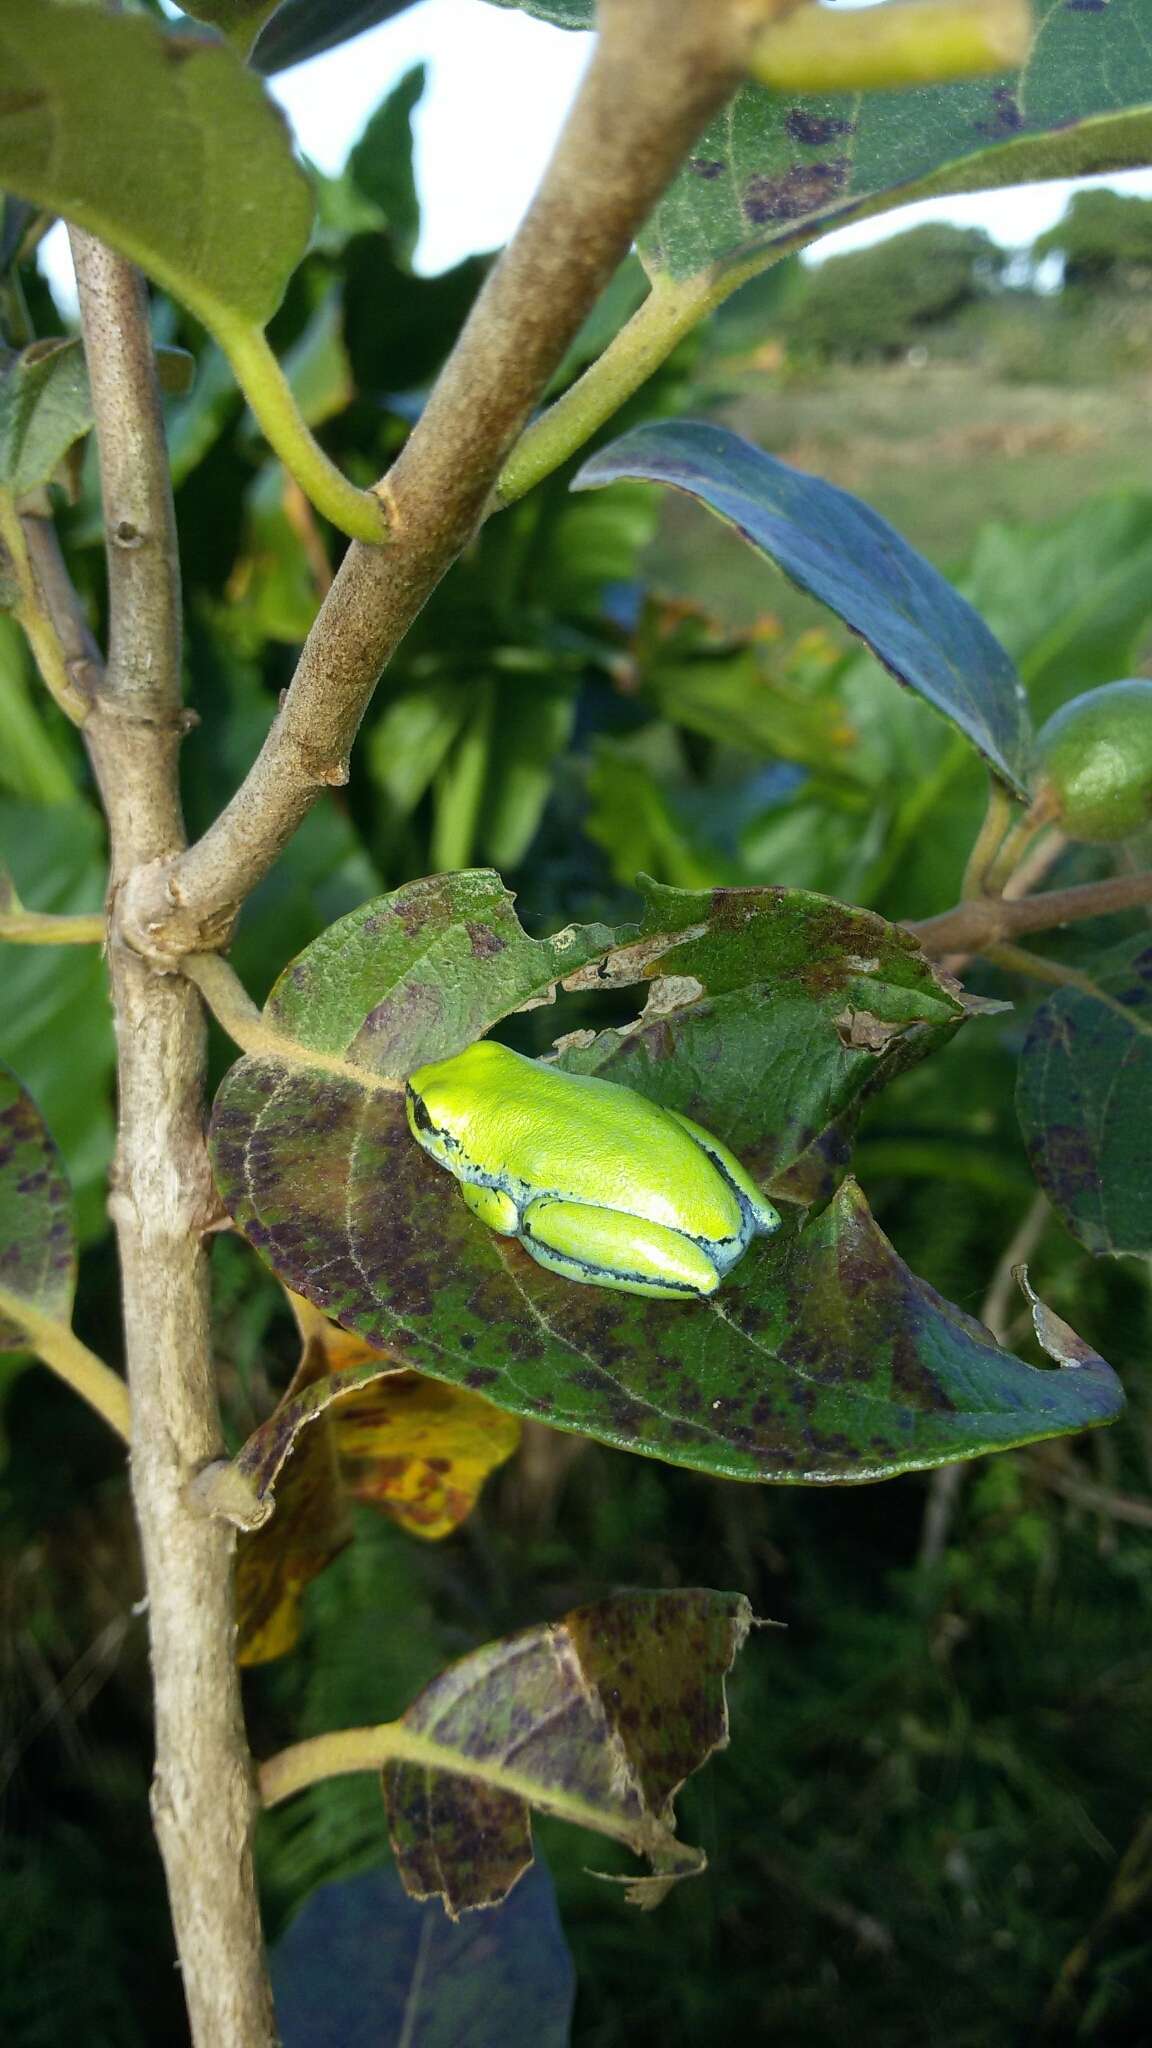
[1016, 411]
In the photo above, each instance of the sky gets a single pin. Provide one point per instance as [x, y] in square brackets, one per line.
[480, 152]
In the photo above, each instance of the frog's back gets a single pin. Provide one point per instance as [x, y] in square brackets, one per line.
[591, 1141]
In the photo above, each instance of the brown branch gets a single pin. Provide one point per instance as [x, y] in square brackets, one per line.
[660, 68]
[974, 927]
[163, 1203]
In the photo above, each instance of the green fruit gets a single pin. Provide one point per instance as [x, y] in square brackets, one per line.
[1095, 761]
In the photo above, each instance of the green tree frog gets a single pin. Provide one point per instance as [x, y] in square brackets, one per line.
[598, 1184]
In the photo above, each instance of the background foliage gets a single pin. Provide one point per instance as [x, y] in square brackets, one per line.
[936, 1768]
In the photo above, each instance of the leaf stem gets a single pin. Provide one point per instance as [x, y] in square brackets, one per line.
[988, 841]
[371, 1749]
[33, 616]
[41, 928]
[236, 1013]
[361, 514]
[671, 310]
[56, 1346]
[913, 42]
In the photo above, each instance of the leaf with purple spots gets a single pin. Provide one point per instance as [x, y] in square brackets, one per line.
[37, 1236]
[420, 974]
[775, 170]
[839, 550]
[598, 1718]
[822, 1358]
[1083, 1095]
[771, 1015]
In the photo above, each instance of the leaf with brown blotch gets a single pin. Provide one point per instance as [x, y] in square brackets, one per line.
[420, 1450]
[413, 1447]
[597, 1718]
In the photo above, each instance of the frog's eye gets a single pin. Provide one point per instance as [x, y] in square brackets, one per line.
[420, 1116]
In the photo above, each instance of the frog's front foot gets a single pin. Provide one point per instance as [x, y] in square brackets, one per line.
[606, 1248]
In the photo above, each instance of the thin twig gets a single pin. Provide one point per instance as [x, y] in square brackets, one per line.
[1118, 1507]
[164, 1202]
[82, 656]
[973, 927]
[659, 69]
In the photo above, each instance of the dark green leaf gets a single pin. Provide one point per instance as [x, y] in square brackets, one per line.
[774, 171]
[381, 164]
[363, 1964]
[410, 739]
[837, 548]
[272, 586]
[600, 1717]
[459, 792]
[822, 1358]
[16, 218]
[196, 422]
[37, 1233]
[1083, 1097]
[637, 819]
[162, 143]
[300, 29]
[425, 314]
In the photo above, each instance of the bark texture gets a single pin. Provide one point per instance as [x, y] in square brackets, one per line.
[162, 1200]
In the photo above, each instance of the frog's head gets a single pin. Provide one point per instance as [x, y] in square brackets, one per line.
[443, 1098]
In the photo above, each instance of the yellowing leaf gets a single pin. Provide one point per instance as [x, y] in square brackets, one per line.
[420, 1450]
[417, 1449]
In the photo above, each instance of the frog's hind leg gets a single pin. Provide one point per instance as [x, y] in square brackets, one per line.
[756, 1206]
[606, 1248]
[493, 1207]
